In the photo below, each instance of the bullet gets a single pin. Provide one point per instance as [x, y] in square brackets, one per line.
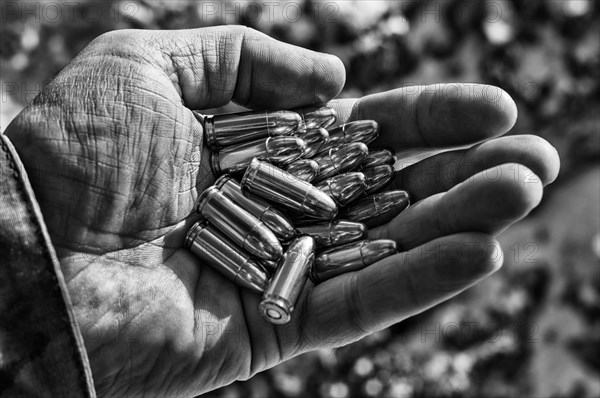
[234, 128]
[315, 116]
[377, 177]
[350, 257]
[234, 158]
[340, 160]
[304, 169]
[344, 188]
[269, 265]
[314, 139]
[277, 222]
[379, 157]
[334, 233]
[378, 209]
[365, 131]
[237, 224]
[212, 247]
[278, 186]
[281, 295]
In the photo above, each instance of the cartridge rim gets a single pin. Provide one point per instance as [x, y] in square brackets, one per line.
[209, 131]
[250, 173]
[222, 181]
[268, 156]
[214, 164]
[204, 197]
[275, 309]
[193, 232]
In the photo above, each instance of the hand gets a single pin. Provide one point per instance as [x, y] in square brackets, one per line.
[116, 160]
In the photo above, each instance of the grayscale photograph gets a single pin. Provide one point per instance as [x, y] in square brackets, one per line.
[304, 198]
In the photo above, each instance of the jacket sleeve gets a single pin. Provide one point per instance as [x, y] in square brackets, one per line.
[41, 348]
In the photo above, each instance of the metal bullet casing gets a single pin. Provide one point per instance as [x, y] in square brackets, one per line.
[344, 188]
[350, 257]
[378, 157]
[334, 233]
[276, 221]
[278, 186]
[365, 131]
[378, 209]
[317, 116]
[245, 230]
[314, 138]
[280, 297]
[340, 160]
[377, 177]
[211, 246]
[268, 265]
[234, 128]
[304, 169]
[234, 158]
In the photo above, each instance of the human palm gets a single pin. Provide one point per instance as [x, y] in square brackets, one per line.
[116, 159]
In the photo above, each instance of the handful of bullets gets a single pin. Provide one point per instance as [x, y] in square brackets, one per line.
[293, 201]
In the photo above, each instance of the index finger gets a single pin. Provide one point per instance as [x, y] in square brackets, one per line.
[434, 116]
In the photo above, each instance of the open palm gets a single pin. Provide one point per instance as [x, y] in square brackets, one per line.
[116, 159]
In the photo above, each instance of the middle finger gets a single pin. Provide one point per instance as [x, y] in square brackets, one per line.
[488, 202]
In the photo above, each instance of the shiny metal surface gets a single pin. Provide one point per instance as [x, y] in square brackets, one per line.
[237, 224]
[377, 209]
[350, 257]
[317, 116]
[276, 221]
[378, 157]
[280, 297]
[269, 265]
[340, 160]
[314, 138]
[365, 131]
[334, 233]
[304, 169]
[234, 128]
[377, 177]
[212, 247]
[344, 188]
[279, 150]
[280, 187]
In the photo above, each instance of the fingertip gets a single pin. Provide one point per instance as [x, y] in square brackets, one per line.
[489, 257]
[469, 257]
[511, 190]
[467, 113]
[278, 74]
[529, 190]
[331, 76]
[507, 111]
[553, 164]
[548, 160]
[496, 108]
[529, 150]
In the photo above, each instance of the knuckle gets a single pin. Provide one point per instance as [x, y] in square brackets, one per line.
[115, 37]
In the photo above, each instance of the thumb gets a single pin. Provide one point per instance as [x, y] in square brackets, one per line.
[214, 66]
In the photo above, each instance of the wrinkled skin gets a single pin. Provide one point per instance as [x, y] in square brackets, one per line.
[116, 160]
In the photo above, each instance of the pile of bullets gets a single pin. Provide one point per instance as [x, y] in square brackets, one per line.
[293, 201]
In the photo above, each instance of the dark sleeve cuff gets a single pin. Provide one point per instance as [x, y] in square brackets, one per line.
[41, 348]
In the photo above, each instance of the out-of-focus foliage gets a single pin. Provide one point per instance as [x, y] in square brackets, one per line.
[531, 330]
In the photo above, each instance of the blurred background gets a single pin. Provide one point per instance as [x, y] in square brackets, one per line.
[533, 329]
